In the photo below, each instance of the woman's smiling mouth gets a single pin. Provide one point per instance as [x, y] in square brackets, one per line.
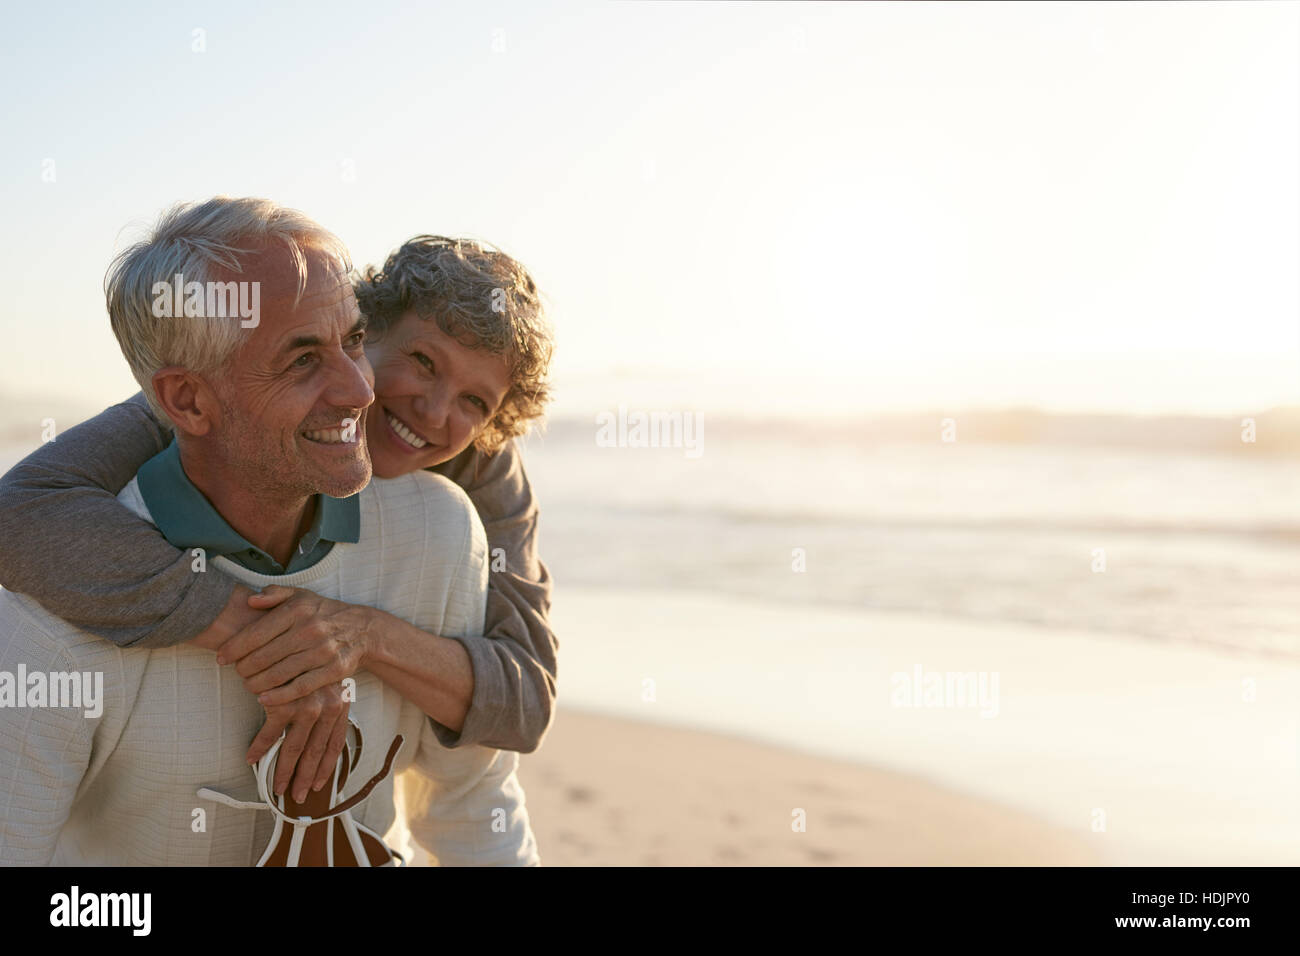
[404, 432]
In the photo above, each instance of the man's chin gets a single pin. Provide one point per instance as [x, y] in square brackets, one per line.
[340, 471]
[344, 486]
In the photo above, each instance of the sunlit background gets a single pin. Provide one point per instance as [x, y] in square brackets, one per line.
[961, 293]
[758, 207]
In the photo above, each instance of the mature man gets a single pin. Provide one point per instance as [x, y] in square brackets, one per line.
[268, 452]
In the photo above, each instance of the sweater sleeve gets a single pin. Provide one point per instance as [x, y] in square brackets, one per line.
[63, 534]
[514, 661]
[465, 805]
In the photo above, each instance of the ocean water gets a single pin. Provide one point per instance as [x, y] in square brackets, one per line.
[1198, 547]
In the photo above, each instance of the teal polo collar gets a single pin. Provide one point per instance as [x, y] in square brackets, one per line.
[187, 519]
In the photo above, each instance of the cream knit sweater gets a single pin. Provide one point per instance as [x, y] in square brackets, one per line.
[120, 788]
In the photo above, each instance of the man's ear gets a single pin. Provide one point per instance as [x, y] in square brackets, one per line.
[187, 399]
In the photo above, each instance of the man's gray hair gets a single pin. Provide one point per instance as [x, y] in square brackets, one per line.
[194, 240]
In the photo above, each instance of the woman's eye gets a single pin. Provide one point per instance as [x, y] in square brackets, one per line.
[424, 360]
[482, 405]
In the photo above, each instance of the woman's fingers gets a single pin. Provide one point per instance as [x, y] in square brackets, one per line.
[255, 636]
[270, 596]
[287, 675]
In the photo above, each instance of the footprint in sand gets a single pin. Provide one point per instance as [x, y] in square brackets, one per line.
[821, 856]
[577, 843]
[580, 794]
[847, 820]
[729, 854]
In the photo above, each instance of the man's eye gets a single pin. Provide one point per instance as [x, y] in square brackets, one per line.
[356, 339]
[303, 360]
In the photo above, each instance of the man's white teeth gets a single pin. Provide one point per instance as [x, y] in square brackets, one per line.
[410, 437]
[326, 436]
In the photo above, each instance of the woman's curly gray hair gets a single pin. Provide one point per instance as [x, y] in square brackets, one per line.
[483, 299]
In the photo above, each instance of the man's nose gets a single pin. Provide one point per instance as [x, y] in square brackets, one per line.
[352, 383]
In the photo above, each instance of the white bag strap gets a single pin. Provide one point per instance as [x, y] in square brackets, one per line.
[264, 775]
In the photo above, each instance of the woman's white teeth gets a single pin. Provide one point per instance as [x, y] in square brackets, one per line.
[410, 437]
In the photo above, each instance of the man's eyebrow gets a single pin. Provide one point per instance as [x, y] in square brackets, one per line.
[301, 342]
[311, 341]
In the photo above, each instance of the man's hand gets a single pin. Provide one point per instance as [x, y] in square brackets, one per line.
[302, 643]
[317, 729]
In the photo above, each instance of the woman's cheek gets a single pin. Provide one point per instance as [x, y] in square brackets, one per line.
[467, 431]
[458, 434]
[395, 380]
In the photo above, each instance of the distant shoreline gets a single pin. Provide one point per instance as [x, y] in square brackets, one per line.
[1276, 431]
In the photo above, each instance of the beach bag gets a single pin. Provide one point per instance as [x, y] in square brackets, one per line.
[320, 831]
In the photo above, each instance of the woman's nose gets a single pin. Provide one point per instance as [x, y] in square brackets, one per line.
[433, 406]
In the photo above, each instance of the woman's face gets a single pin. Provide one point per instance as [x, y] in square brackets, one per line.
[433, 396]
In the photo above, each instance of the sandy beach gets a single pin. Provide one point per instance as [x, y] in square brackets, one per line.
[605, 791]
[1141, 752]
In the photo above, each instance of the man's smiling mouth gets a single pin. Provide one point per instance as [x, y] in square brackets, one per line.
[332, 436]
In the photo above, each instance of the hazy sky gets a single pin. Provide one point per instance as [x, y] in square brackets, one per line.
[783, 209]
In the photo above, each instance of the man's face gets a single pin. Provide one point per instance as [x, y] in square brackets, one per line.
[294, 385]
[433, 396]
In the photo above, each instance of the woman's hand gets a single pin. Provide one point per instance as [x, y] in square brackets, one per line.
[304, 642]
